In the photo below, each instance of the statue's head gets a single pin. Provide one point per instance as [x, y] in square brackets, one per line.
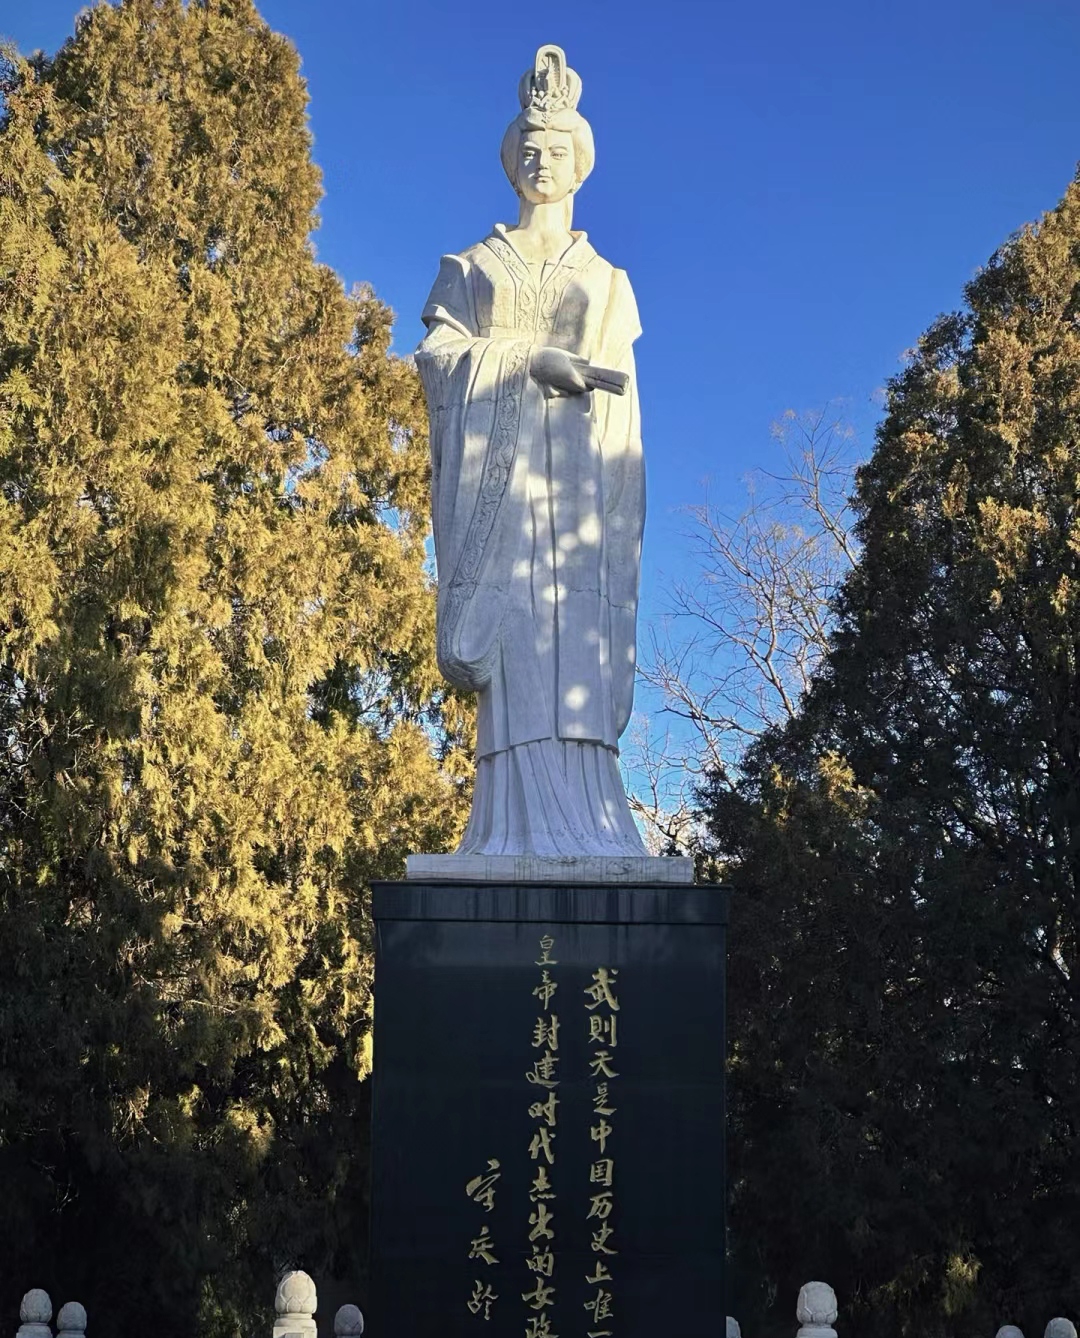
[547, 151]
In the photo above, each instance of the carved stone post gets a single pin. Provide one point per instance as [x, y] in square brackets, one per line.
[35, 1313]
[348, 1322]
[295, 1303]
[816, 1310]
[71, 1321]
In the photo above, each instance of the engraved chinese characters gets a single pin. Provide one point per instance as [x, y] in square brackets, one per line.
[549, 1101]
[590, 1202]
[481, 1189]
[543, 1074]
[538, 498]
[603, 1027]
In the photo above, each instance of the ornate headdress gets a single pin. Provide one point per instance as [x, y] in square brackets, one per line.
[549, 95]
[549, 92]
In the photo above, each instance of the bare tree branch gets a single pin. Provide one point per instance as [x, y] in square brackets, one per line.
[746, 635]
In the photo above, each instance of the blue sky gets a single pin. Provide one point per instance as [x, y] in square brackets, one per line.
[796, 189]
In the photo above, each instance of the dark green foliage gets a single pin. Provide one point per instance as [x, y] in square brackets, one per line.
[905, 986]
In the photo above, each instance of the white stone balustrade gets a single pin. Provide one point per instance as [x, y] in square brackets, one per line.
[297, 1300]
[36, 1310]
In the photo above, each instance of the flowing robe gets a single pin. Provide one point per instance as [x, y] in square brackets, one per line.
[538, 506]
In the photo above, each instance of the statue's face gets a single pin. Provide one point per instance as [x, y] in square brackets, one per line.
[546, 166]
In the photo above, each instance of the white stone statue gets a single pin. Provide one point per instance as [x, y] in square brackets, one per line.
[538, 497]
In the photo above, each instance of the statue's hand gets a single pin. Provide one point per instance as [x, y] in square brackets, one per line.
[559, 371]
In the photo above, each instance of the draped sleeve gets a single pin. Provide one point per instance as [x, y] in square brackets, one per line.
[619, 422]
[481, 403]
[449, 302]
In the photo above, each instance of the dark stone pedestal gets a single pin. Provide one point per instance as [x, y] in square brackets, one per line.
[548, 1127]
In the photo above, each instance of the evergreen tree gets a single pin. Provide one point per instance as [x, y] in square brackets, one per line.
[906, 981]
[220, 715]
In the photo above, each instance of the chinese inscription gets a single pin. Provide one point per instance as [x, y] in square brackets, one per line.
[544, 1110]
[481, 1190]
[601, 1011]
[597, 1198]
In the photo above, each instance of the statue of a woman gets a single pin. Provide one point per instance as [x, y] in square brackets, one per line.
[538, 497]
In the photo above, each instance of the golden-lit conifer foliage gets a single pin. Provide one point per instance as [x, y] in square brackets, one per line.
[219, 710]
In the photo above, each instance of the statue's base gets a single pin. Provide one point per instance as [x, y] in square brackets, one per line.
[621, 870]
[548, 1117]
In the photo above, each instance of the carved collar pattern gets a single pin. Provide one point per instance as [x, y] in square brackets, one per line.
[537, 310]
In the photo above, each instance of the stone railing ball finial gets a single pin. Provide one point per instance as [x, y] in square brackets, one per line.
[296, 1302]
[733, 1330]
[1060, 1328]
[296, 1295]
[348, 1322]
[1009, 1331]
[35, 1313]
[816, 1310]
[71, 1321]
